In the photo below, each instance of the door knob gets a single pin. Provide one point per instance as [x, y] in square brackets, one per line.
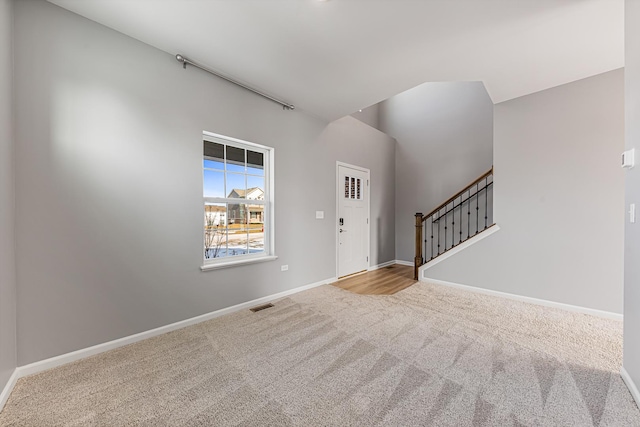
[343, 231]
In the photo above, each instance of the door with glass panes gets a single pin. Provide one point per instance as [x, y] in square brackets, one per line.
[353, 220]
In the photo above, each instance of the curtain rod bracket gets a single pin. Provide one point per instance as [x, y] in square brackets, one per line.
[184, 61]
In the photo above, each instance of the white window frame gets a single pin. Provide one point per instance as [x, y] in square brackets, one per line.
[269, 221]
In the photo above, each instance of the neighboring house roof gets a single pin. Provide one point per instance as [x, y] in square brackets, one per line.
[253, 193]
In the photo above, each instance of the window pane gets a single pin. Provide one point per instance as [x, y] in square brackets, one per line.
[235, 214]
[213, 155]
[213, 150]
[212, 164]
[238, 228]
[256, 228]
[236, 186]
[215, 232]
[255, 187]
[346, 187]
[235, 159]
[213, 184]
[255, 163]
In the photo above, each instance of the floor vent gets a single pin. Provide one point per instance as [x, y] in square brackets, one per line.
[261, 307]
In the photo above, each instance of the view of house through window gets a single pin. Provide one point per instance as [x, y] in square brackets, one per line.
[235, 194]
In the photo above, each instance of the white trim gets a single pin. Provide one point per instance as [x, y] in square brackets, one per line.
[530, 300]
[63, 359]
[8, 388]
[243, 261]
[407, 263]
[630, 385]
[462, 246]
[270, 210]
[235, 201]
[383, 265]
[338, 192]
[216, 137]
[350, 166]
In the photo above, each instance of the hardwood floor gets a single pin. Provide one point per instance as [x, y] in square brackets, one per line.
[385, 281]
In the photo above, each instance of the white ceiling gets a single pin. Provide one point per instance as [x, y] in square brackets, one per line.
[331, 58]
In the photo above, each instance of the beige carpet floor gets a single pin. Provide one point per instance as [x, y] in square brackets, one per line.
[426, 356]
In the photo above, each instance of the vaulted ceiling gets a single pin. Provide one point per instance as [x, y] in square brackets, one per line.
[331, 58]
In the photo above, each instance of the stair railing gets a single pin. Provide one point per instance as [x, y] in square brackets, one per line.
[469, 209]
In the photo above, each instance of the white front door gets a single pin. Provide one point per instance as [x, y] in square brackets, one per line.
[353, 220]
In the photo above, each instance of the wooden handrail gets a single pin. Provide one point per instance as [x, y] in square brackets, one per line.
[420, 219]
[458, 194]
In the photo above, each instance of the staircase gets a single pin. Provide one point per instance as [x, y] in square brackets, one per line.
[463, 216]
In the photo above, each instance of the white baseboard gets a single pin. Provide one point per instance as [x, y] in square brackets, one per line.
[63, 359]
[383, 265]
[462, 246]
[407, 263]
[530, 300]
[630, 385]
[8, 388]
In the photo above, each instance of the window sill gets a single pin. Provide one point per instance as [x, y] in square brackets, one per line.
[225, 264]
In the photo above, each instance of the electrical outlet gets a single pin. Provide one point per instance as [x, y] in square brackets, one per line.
[284, 267]
[319, 214]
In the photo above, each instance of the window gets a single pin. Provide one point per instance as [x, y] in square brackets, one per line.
[238, 211]
[352, 188]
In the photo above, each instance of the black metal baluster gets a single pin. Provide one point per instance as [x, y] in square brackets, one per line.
[426, 240]
[460, 241]
[439, 232]
[451, 239]
[477, 208]
[445, 228]
[431, 237]
[486, 196]
[469, 214]
[453, 224]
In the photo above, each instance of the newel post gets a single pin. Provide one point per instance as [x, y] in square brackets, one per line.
[418, 259]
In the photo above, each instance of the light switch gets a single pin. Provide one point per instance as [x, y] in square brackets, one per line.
[628, 159]
[632, 213]
[319, 214]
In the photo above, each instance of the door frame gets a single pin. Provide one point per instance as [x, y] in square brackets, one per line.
[368, 193]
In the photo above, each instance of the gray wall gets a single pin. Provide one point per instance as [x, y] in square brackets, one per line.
[351, 141]
[558, 199]
[632, 193]
[7, 242]
[369, 115]
[109, 191]
[445, 138]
